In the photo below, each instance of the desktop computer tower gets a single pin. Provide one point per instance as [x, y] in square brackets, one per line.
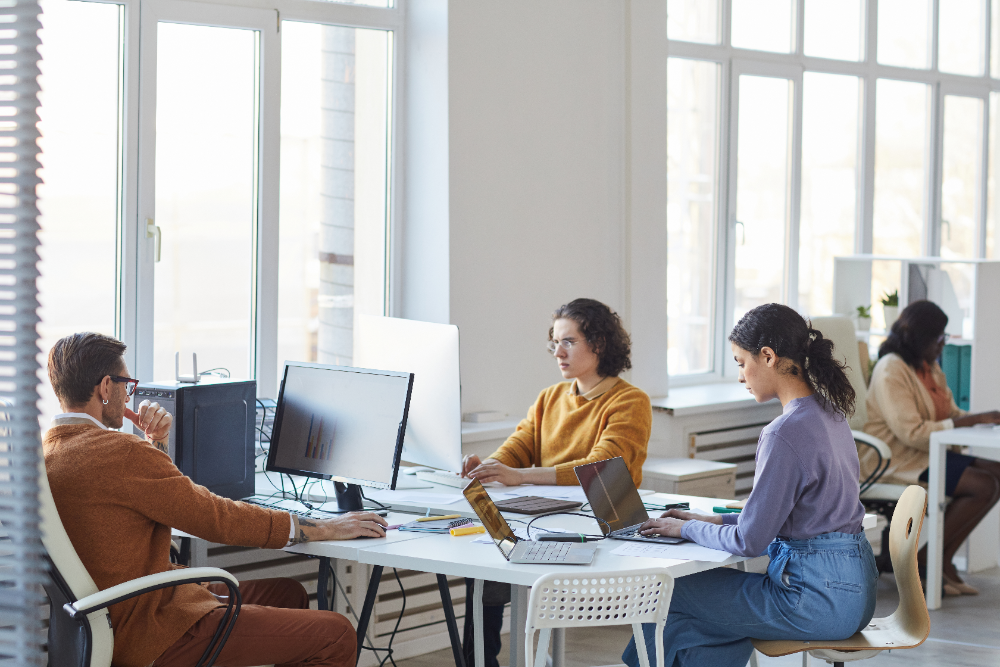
[212, 437]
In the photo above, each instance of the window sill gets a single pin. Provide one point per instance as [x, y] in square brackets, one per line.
[704, 398]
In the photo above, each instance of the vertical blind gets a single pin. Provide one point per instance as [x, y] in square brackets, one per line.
[21, 565]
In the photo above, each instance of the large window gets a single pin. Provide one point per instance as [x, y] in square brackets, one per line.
[217, 179]
[833, 138]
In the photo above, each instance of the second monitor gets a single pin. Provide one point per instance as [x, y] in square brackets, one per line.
[429, 351]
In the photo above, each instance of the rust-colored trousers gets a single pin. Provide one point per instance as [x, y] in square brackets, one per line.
[275, 626]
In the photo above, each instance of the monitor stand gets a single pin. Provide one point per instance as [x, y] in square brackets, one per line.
[348, 497]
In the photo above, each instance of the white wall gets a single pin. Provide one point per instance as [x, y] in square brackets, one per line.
[556, 187]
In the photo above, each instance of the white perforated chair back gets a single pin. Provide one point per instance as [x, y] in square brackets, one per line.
[840, 330]
[599, 598]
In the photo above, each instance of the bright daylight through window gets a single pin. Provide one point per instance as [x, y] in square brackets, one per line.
[792, 140]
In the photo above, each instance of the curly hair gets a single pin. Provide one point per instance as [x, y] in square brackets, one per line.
[603, 329]
[792, 337]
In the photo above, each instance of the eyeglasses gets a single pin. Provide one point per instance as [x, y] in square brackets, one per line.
[130, 384]
[566, 344]
[942, 338]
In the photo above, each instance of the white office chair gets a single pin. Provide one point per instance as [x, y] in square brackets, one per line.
[80, 633]
[908, 626]
[598, 598]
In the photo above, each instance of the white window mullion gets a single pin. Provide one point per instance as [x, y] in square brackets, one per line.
[131, 238]
[794, 206]
[935, 162]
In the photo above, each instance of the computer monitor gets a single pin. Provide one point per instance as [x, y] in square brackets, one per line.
[340, 423]
[430, 352]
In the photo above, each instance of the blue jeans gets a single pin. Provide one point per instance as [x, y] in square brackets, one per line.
[820, 588]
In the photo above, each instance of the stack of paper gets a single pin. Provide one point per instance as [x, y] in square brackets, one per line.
[684, 551]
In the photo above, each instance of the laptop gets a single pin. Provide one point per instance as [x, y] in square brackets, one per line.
[513, 548]
[613, 497]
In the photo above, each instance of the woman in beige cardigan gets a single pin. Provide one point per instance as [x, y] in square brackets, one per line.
[908, 399]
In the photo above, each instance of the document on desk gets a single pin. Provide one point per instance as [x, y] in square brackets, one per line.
[685, 551]
[407, 497]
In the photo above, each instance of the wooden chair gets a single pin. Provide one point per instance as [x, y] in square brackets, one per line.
[908, 626]
[598, 598]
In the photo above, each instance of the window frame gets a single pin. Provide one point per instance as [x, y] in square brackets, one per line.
[734, 61]
[134, 310]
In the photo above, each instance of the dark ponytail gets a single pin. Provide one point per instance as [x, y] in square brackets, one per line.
[791, 337]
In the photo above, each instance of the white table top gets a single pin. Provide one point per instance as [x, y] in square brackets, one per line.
[969, 436]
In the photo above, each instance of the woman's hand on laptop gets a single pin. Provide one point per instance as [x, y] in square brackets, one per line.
[672, 521]
[344, 527]
[492, 470]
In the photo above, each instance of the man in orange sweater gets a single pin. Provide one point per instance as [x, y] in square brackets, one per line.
[118, 496]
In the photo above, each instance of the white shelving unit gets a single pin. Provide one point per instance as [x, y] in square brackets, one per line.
[973, 309]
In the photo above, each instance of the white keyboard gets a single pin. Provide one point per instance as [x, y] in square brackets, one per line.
[444, 477]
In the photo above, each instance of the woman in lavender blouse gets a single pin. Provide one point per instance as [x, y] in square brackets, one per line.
[804, 512]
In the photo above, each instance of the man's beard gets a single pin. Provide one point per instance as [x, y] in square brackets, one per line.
[113, 414]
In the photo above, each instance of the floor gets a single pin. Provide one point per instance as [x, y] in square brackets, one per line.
[964, 632]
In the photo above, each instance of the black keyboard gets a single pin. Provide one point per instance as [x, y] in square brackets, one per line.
[307, 513]
[631, 531]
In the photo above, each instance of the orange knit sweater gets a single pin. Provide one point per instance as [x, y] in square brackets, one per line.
[565, 430]
[118, 497]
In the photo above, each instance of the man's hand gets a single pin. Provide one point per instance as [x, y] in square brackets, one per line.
[492, 470]
[345, 527]
[153, 421]
[470, 463]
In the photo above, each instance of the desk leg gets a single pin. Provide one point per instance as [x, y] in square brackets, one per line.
[322, 582]
[366, 610]
[518, 619]
[449, 617]
[478, 648]
[935, 523]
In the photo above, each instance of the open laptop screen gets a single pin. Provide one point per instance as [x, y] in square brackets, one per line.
[611, 493]
[488, 513]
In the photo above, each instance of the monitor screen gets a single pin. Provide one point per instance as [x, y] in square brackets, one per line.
[496, 525]
[612, 493]
[340, 423]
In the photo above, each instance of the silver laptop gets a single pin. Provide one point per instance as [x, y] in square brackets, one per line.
[614, 499]
[513, 548]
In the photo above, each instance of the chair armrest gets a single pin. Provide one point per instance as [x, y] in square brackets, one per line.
[152, 582]
[882, 451]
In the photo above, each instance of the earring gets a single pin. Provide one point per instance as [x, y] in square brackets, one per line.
[105, 401]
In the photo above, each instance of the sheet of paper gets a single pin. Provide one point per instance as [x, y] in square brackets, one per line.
[407, 497]
[486, 539]
[684, 551]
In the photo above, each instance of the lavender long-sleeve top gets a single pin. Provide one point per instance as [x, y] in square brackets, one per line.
[806, 484]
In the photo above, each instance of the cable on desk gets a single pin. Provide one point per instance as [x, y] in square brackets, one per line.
[372, 500]
[587, 516]
[218, 368]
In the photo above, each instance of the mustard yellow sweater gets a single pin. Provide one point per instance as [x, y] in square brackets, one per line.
[565, 430]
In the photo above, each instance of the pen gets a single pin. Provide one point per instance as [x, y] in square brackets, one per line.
[393, 526]
[725, 510]
[440, 518]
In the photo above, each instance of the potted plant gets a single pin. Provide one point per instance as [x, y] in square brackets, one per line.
[890, 308]
[864, 318]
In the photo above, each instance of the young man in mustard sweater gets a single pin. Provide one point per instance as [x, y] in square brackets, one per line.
[594, 415]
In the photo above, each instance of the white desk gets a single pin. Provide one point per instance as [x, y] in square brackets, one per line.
[987, 438]
[462, 556]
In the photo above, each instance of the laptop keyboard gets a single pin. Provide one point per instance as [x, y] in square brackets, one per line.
[547, 552]
[631, 531]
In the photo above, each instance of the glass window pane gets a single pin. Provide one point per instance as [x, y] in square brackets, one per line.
[763, 25]
[205, 197]
[78, 198]
[761, 191]
[992, 207]
[995, 39]
[900, 167]
[693, 20]
[692, 194]
[334, 157]
[962, 157]
[904, 33]
[830, 110]
[834, 29]
[960, 36]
